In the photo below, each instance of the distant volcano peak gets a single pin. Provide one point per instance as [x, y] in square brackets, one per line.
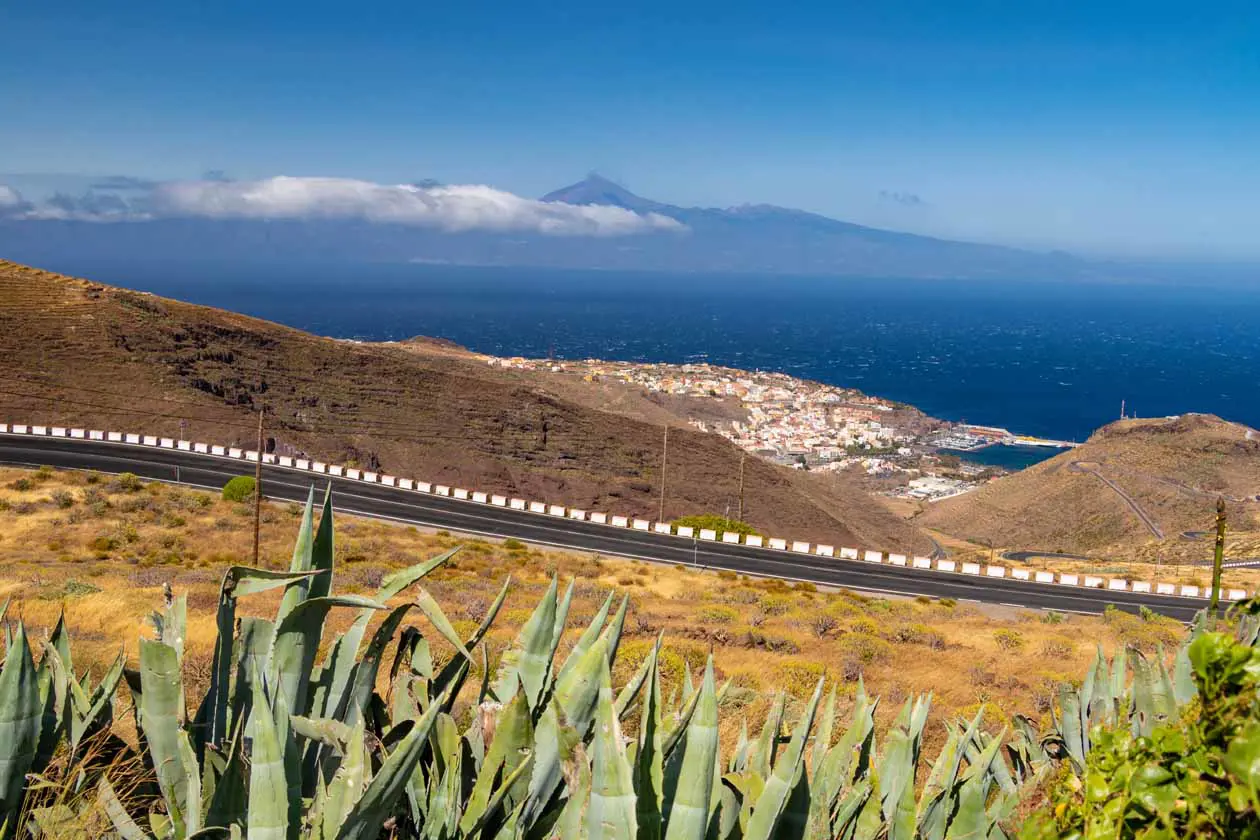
[596, 189]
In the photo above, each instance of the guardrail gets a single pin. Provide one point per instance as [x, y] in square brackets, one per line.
[539, 508]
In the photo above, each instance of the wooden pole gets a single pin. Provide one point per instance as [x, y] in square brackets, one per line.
[258, 488]
[664, 460]
[1218, 559]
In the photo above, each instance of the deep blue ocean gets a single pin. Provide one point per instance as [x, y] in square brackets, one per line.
[1053, 360]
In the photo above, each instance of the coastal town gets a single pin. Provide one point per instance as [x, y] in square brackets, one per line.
[810, 425]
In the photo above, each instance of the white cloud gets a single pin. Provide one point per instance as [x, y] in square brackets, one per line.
[9, 198]
[452, 208]
[446, 207]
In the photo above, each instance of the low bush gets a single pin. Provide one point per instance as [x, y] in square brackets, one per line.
[721, 524]
[126, 483]
[1008, 639]
[717, 615]
[239, 489]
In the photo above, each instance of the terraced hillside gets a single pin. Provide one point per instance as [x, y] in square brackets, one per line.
[1138, 490]
[78, 352]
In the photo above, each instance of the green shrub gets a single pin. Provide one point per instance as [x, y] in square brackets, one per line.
[776, 604]
[1196, 775]
[511, 544]
[721, 524]
[126, 483]
[63, 499]
[239, 489]
[717, 615]
[1008, 639]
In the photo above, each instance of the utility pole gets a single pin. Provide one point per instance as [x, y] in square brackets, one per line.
[258, 488]
[664, 457]
[1218, 559]
[742, 457]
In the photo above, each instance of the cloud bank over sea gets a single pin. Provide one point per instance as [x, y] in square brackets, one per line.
[447, 207]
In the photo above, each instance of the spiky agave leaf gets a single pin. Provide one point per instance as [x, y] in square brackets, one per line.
[690, 790]
[771, 803]
[611, 809]
[162, 701]
[19, 724]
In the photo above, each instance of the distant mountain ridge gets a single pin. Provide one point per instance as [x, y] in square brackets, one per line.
[752, 239]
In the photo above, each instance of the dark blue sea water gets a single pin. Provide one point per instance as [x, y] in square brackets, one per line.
[1007, 457]
[1044, 359]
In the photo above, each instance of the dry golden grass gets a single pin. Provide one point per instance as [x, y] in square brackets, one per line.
[102, 549]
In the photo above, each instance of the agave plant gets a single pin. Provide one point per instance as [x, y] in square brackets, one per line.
[368, 741]
[1109, 698]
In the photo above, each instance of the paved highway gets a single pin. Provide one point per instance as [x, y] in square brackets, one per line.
[356, 497]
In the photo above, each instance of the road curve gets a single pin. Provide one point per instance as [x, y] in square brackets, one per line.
[376, 500]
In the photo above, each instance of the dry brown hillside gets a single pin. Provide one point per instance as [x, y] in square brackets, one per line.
[79, 352]
[1129, 492]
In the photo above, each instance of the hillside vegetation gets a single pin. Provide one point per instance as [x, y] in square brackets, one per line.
[1173, 470]
[301, 726]
[104, 547]
[82, 353]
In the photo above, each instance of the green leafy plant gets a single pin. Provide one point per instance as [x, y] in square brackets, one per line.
[239, 489]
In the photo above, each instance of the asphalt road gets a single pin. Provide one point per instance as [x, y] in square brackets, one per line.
[356, 497]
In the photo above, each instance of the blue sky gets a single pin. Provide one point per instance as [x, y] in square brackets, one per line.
[1127, 129]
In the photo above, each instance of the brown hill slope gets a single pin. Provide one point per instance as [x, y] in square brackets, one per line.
[79, 352]
[1129, 491]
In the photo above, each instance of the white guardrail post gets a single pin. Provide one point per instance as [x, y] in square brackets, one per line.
[1095, 582]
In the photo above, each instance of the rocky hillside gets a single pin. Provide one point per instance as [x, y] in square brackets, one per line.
[79, 352]
[1136, 488]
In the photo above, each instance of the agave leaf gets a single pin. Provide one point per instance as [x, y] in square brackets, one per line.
[320, 585]
[513, 780]
[761, 759]
[347, 785]
[896, 774]
[554, 747]
[369, 664]
[688, 794]
[123, 823]
[773, 799]
[611, 810]
[649, 772]
[296, 591]
[238, 581]
[296, 642]
[230, 800]
[341, 694]
[19, 723]
[615, 630]
[937, 799]
[509, 748]
[631, 689]
[826, 725]
[588, 637]
[402, 579]
[267, 817]
[327, 731]
[526, 663]
[1069, 727]
[365, 819]
[192, 776]
[252, 643]
[434, 613]
[162, 697]
[970, 822]
[99, 711]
